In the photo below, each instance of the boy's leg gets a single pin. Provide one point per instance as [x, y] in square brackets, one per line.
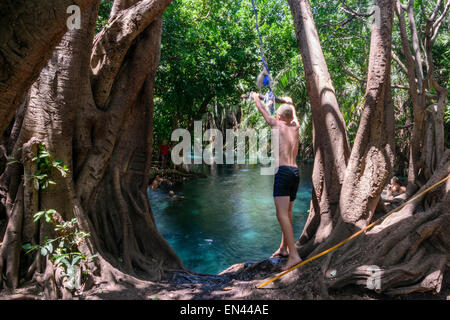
[283, 251]
[283, 205]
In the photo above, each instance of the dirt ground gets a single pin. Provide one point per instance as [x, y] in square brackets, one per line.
[238, 282]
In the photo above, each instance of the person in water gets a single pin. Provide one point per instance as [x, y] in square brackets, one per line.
[156, 182]
[172, 195]
[287, 176]
[396, 187]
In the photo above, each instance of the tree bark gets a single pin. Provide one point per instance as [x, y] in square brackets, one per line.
[372, 158]
[331, 146]
[30, 29]
[424, 156]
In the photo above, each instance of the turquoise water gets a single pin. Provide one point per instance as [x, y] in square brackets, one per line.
[226, 218]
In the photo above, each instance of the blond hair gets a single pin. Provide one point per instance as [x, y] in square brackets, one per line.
[286, 110]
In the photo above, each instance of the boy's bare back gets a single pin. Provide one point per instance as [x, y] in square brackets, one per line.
[288, 131]
[288, 146]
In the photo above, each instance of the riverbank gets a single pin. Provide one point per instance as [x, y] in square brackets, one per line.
[238, 282]
[171, 176]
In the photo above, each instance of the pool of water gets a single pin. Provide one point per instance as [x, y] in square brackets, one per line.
[227, 218]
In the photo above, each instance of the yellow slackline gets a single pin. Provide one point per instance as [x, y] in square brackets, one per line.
[352, 236]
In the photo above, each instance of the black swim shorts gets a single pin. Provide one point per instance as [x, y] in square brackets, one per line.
[286, 182]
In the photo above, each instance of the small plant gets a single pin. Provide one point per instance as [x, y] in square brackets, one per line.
[45, 164]
[11, 160]
[62, 250]
[447, 114]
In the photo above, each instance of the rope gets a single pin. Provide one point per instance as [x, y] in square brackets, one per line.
[370, 226]
[261, 44]
[266, 82]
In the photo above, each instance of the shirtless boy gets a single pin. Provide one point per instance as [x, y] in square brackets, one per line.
[287, 178]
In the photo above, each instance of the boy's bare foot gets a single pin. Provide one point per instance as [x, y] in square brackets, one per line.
[291, 262]
[280, 253]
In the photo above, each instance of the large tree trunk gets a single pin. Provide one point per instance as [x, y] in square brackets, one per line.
[372, 158]
[107, 148]
[427, 141]
[29, 30]
[331, 146]
[408, 251]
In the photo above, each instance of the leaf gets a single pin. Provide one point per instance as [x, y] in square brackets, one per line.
[91, 259]
[38, 215]
[29, 247]
[70, 270]
[59, 258]
[75, 260]
[36, 184]
[48, 217]
[65, 262]
[44, 154]
[48, 214]
[63, 171]
[49, 247]
[44, 251]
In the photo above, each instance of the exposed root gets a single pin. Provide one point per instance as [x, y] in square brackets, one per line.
[408, 252]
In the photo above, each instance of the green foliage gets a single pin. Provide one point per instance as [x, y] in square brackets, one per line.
[447, 115]
[45, 164]
[61, 250]
[447, 125]
[210, 57]
[103, 14]
[11, 160]
[47, 214]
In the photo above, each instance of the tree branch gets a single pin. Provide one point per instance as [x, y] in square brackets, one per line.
[399, 62]
[352, 12]
[364, 81]
[133, 74]
[113, 42]
[410, 63]
[435, 12]
[437, 24]
[415, 45]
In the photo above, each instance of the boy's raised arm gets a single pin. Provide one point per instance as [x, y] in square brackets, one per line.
[269, 119]
[295, 120]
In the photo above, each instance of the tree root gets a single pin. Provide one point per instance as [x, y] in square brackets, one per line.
[408, 252]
